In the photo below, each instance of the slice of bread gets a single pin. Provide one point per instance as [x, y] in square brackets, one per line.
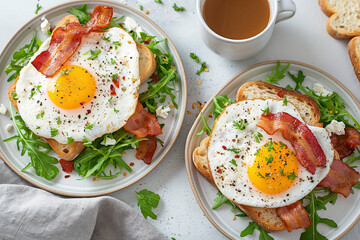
[267, 218]
[354, 54]
[147, 65]
[344, 21]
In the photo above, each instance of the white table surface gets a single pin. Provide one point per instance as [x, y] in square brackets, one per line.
[301, 38]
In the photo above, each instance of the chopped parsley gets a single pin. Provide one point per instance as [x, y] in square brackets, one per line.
[234, 162]
[54, 132]
[234, 150]
[291, 176]
[241, 125]
[258, 136]
[40, 115]
[282, 172]
[66, 71]
[112, 61]
[32, 93]
[265, 111]
[178, 9]
[70, 140]
[105, 38]
[141, 7]
[158, 1]
[89, 126]
[203, 66]
[94, 54]
[193, 56]
[14, 96]
[257, 152]
[260, 175]
[285, 101]
[58, 120]
[115, 110]
[269, 159]
[117, 44]
[270, 145]
[37, 127]
[110, 99]
[282, 144]
[146, 201]
[38, 7]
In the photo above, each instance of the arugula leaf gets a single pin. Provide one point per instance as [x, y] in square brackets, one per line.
[141, 7]
[249, 230]
[220, 103]
[193, 56]
[203, 66]
[206, 129]
[158, 1]
[312, 232]
[285, 101]
[265, 111]
[221, 199]
[146, 201]
[38, 7]
[43, 164]
[21, 57]
[178, 9]
[278, 74]
[81, 13]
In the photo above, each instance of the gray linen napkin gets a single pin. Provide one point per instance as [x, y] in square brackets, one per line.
[30, 213]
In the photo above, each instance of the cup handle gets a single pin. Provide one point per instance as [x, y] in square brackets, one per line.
[286, 9]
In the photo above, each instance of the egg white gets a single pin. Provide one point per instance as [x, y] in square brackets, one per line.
[102, 116]
[234, 181]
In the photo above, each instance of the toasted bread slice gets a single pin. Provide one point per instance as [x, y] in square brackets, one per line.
[69, 152]
[267, 218]
[354, 54]
[344, 21]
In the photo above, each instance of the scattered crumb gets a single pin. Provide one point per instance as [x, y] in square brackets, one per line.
[9, 127]
[124, 174]
[3, 109]
[206, 69]
[193, 105]
[146, 11]
[188, 112]
[197, 115]
[96, 179]
[66, 176]
[124, 153]
[173, 68]
[198, 82]
[210, 115]
[234, 218]
[172, 106]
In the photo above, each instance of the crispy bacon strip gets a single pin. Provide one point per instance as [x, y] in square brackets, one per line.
[341, 178]
[294, 216]
[65, 41]
[308, 151]
[346, 144]
[147, 149]
[142, 123]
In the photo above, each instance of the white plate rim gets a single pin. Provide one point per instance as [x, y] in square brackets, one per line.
[189, 149]
[180, 71]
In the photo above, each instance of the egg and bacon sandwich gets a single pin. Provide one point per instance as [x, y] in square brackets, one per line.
[267, 151]
[83, 83]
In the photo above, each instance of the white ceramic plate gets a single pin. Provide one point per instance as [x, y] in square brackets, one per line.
[345, 213]
[71, 186]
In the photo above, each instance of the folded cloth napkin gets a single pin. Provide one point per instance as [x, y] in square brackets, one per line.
[30, 213]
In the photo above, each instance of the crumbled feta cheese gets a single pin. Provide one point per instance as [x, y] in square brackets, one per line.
[336, 127]
[132, 25]
[3, 109]
[163, 111]
[45, 25]
[109, 142]
[320, 89]
[9, 127]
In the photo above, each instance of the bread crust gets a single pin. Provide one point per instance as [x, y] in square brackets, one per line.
[326, 7]
[266, 218]
[353, 51]
[69, 152]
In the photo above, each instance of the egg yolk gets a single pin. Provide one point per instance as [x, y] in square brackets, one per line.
[274, 169]
[73, 88]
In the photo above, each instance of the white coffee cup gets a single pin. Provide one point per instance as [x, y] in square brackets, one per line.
[244, 48]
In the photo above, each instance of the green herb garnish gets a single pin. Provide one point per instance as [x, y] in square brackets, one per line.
[233, 161]
[40, 115]
[203, 66]
[269, 159]
[141, 7]
[147, 200]
[112, 61]
[14, 96]
[115, 110]
[158, 1]
[178, 9]
[260, 175]
[54, 132]
[89, 126]
[282, 172]
[285, 101]
[105, 38]
[278, 74]
[58, 120]
[206, 129]
[38, 7]
[81, 13]
[241, 125]
[249, 230]
[291, 176]
[234, 150]
[65, 71]
[70, 140]
[117, 44]
[193, 56]
[265, 111]
[257, 136]
[94, 54]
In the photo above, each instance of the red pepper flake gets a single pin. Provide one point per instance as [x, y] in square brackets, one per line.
[155, 77]
[112, 90]
[82, 103]
[207, 132]
[259, 214]
[67, 176]
[116, 83]
[281, 93]
[87, 122]
[147, 41]
[218, 152]
[67, 166]
[120, 62]
[233, 140]
[123, 78]
[237, 156]
[132, 164]
[88, 111]
[219, 171]
[224, 147]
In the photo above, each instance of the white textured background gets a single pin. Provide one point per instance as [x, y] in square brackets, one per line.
[302, 38]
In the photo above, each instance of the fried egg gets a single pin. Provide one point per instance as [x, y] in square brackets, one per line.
[93, 93]
[254, 168]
